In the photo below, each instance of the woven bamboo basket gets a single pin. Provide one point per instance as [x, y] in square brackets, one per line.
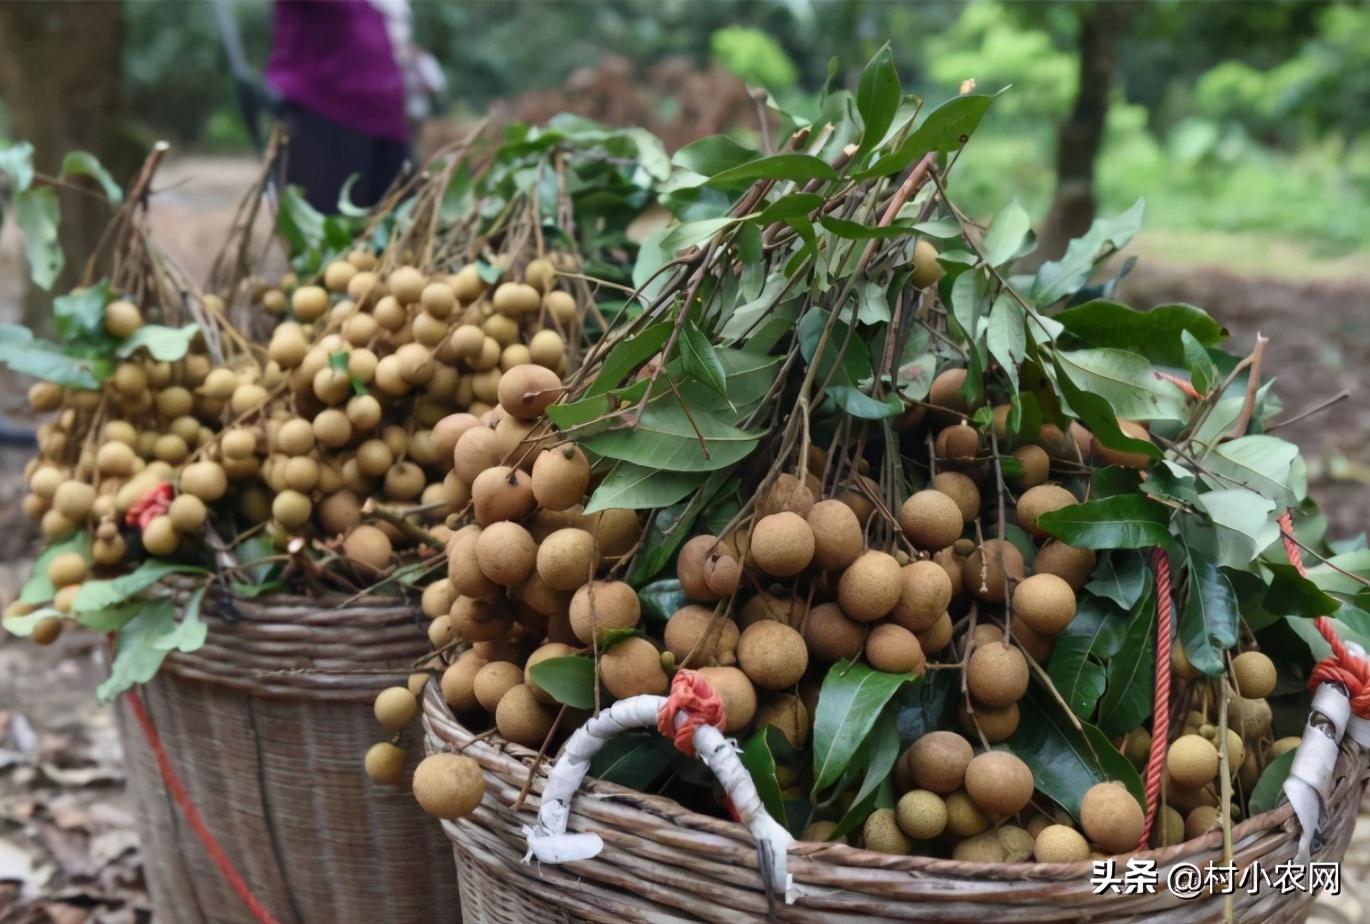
[663, 863]
[266, 726]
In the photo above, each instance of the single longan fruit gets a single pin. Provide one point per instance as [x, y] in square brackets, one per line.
[995, 724]
[516, 299]
[603, 605]
[881, 833]
[339, 513]
[561, 477]
[1045, 602]
[74, 499]
[921, 814]
[962, 490]
[561, 306]
[1285, 745]
[926, 270]
[931, 520]
[476, 451]
[989, 568]
[837, 536]
[502, 493]
[959, 443]
[616, 531]
[1107, 456]
[689, 631]
[1252, 670]
[786, 494]
[773, 655]
[67, 568]
[831, 635]
[567, 559]
[1067, 562]
[945, 393]
[1112, 818]
[997, 674]
[1035, 465]
[506, 553]
[406, 283]
[870, 587]
[782, 544]
[788, 713]
[188, 513]
[964, 817]
[1060, 844]
[458, 682]
[692, 567]
[493, 680]
[448, 785]
[385, 763]
[1192, 761]
[937, 761]
[1250, 717]
[819, 831]
[894, 650]
[738, 695]
[925, 593]
[205, 480]
[122, 319]
[1168, 829]
[308, 303]
[723, 574]
[368, 546]
[1045, 498]
[522, 718]
[525, 391]
[632, 667]
[999, 782]
[395, 707]
[291, 509]
[982, 848]
[160, 537]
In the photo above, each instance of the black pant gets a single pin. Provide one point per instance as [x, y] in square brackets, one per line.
[322, 155]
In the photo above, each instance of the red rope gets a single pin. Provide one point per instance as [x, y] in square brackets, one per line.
[1350, 670]
[1160, 723]
[696, 703]
[192, 817]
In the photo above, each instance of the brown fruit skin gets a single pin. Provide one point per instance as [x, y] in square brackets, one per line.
[737, 693]
[723, 574]
[493, 680]
[616, 606]
[921, 814]
[870, 587]
[931, 520]
[501, 493]
[369, 546]
[957, 444]
[786, 494]
[1112, 819]
[999, 782]
[1254, 674]
[937, 636]
[1045, 602]
[997, 674]
[1072, 565]
[687, 633]
[561, 477]
[567, 559]
[458, 683]
[924, 596]
[462, 568]
[980, 848]
[772, 654]
[1060, 844]
[1192, 761]
[1044, 498]
[945, 392]
[395, 707]
[831, 634]
[782, 544]
[384, 764]
[1036, 465]
[962, 489]
[522, 718]
[506, 553]
[881, 833]
[632, 667]
[448, 785]
[894, 650]
[1105, 456]
[987, 568]
[692, 570]
[937, 761]
[837, 537]
[995, 724]
[526, 390]
[788, 713]
[476, 450]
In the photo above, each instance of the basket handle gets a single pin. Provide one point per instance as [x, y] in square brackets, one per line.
[549, 841]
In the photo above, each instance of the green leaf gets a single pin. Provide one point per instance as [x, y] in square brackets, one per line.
[1008, 233]
[1128, 521]
[1126, 381]
[699, 359]
[637, 488]
[797, 167]
[1132, 672]
[16, 161]
[164, 344]
[112, 619]
[22, 625]
[1157, 334]
[569, 680]
[634, 760]
[1057, 279]
[795, 205]
[191, 631]
[1269, 789]
[859, 404]
[1007, 336]
[850, 701]
[661, 599]
[47, 361]
[877, 99]
[99, 595]
[682, 237]
[1209, 619]
[38, 215]
[1244, 524]
[668, 437]
[945, 129]
[80, 314]
[84, 163]
[1065, 761]
[1265, 464]
[1075, 669]
[1197, 361]
[138, 653]
[873, 304]
[881, 751]
[855, 231]
[1098, 415]
[627, 356]
[1121, 577]
[38, 589]
[712, 154]
[760, 763]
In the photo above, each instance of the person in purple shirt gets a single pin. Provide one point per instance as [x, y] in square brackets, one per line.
[337, 70]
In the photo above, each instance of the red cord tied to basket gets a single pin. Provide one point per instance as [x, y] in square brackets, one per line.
[692, 703]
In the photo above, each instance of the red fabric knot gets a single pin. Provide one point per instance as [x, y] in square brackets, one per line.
[154, 503]
[1344, 667]
[692, 703]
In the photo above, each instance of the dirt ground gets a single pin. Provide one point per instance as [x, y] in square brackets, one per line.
[69, 851]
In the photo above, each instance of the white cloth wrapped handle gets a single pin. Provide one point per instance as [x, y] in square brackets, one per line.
[549, 841]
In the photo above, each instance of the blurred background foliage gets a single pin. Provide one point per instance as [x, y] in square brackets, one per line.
[1227, 116]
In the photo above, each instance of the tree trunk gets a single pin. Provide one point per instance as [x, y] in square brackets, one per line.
[60, 79]
[1102, 25]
